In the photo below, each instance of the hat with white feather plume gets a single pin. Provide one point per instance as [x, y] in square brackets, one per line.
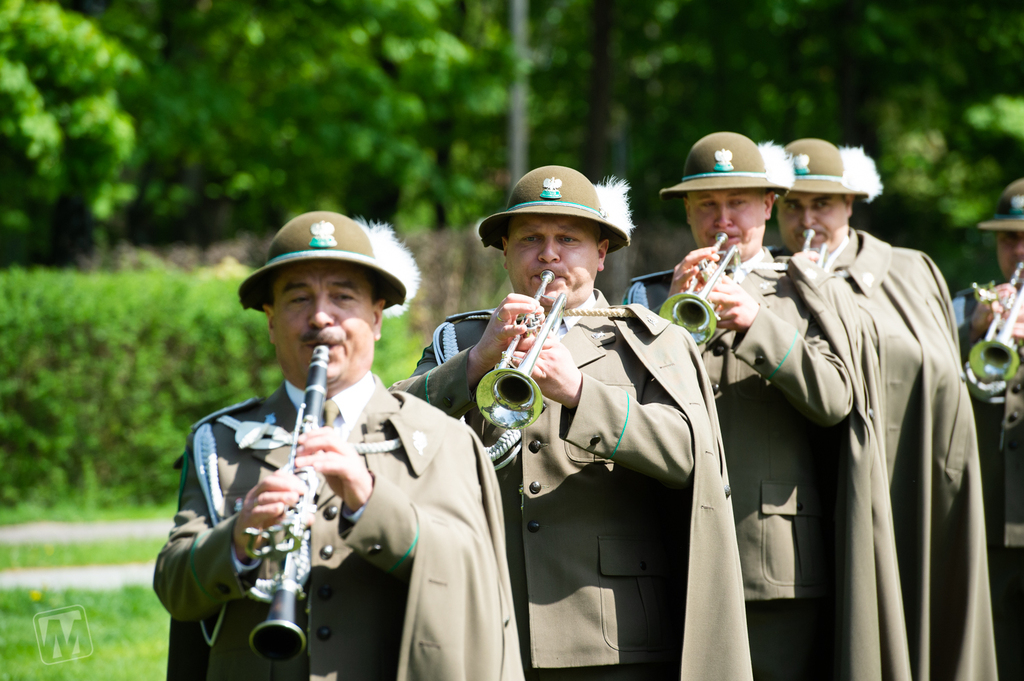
[728, 160]
[823, 168]
[557, 190]
[1009, 215]
[332, 237]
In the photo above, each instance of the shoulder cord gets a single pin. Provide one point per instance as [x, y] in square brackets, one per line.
[637, 293]
[205, 452]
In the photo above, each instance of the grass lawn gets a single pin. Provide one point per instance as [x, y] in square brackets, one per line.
[127, 629]
[71, 512]
[61, 555]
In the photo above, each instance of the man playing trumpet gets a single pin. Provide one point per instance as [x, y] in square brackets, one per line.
[618, 522]
[998, 406]
[403, 567]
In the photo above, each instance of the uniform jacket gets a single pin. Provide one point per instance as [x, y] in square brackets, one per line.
[416, 589]
[1000, 429]
[773, 384]
[932, 459]
[840, 471]
[618, 525]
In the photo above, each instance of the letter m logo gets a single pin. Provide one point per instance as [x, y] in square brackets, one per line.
[62, 634]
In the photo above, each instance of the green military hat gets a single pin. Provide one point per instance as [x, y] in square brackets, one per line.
[821, 167]
[557, 190]
[327, 236]
[728, 160]
[1009, 215]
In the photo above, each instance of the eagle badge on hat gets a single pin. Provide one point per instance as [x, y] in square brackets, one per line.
[551, 185]
[723, 158]
[1017, 205]
[801, 163]
[323, 235]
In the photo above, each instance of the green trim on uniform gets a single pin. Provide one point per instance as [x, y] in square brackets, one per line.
[725, 173]
[192, 564]
[796, 335]
[625, 423]
[411, 547]
[184, 473]
[555, 203]
[426, 384]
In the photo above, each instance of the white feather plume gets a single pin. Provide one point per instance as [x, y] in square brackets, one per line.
[860, 173]
[613, 194]
[778, 164]
[395, 257]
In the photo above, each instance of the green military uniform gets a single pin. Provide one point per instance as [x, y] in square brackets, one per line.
[415, 588]
[618, 523]
[998, 411]
[928, 430]
[781, 390]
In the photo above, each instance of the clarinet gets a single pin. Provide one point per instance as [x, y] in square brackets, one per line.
[279, 637]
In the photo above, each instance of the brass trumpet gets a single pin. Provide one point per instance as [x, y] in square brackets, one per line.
[691, 310]
[507, 396]
[995, 357]
[822, 250]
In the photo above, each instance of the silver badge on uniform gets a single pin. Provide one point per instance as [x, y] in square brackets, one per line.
[419, 441]
[551, 186]
[323, 235]
[1017, 205]
[801, 163]
[724, 161]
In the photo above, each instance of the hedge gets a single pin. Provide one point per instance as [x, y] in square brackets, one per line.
[101, 375]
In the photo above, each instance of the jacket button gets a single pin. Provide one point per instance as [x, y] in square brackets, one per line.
[331, 512]
[224, 589]
[324, 592]
[759, 359]
[1013, 444]
[326, 552]
[535, 446]
[447, 401]
[728, 491]
[714, 387]
[799, 506]
[1015, 389]
[375, 549]
[533, 526]
[535, 487]
[323, 633]
[718, 350]
[643, 565]
[1015, 415]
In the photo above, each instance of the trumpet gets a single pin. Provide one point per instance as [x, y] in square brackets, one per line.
[822, 250]
[279, 637]
[995, 357]
[507, 396]
[691, 309]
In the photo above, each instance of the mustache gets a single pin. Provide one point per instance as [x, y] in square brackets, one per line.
[328, 336]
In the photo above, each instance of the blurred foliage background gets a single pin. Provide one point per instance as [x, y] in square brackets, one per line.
[154, 138]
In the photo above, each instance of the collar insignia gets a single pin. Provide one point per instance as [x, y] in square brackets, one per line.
[323, 235]
[800, 164]
[551, 186]
[868, 278]
[1017, 205]
[724, 161]
[419, 441]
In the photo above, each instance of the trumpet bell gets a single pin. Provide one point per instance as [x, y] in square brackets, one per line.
[993, 360]
[693, 313]
[509, 399]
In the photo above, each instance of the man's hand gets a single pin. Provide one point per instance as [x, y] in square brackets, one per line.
[501, 329]
[735, 307]
[687, 269]
[555, 372]
[813, 256]
[265, 505]
[337, 460]
[983, 314]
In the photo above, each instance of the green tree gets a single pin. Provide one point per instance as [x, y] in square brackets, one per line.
[63, 132]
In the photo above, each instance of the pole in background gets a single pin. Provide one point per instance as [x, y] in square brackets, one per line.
[518, 128]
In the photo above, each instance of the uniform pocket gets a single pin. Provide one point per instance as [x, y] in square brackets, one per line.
[792, 545]
[634, 594]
